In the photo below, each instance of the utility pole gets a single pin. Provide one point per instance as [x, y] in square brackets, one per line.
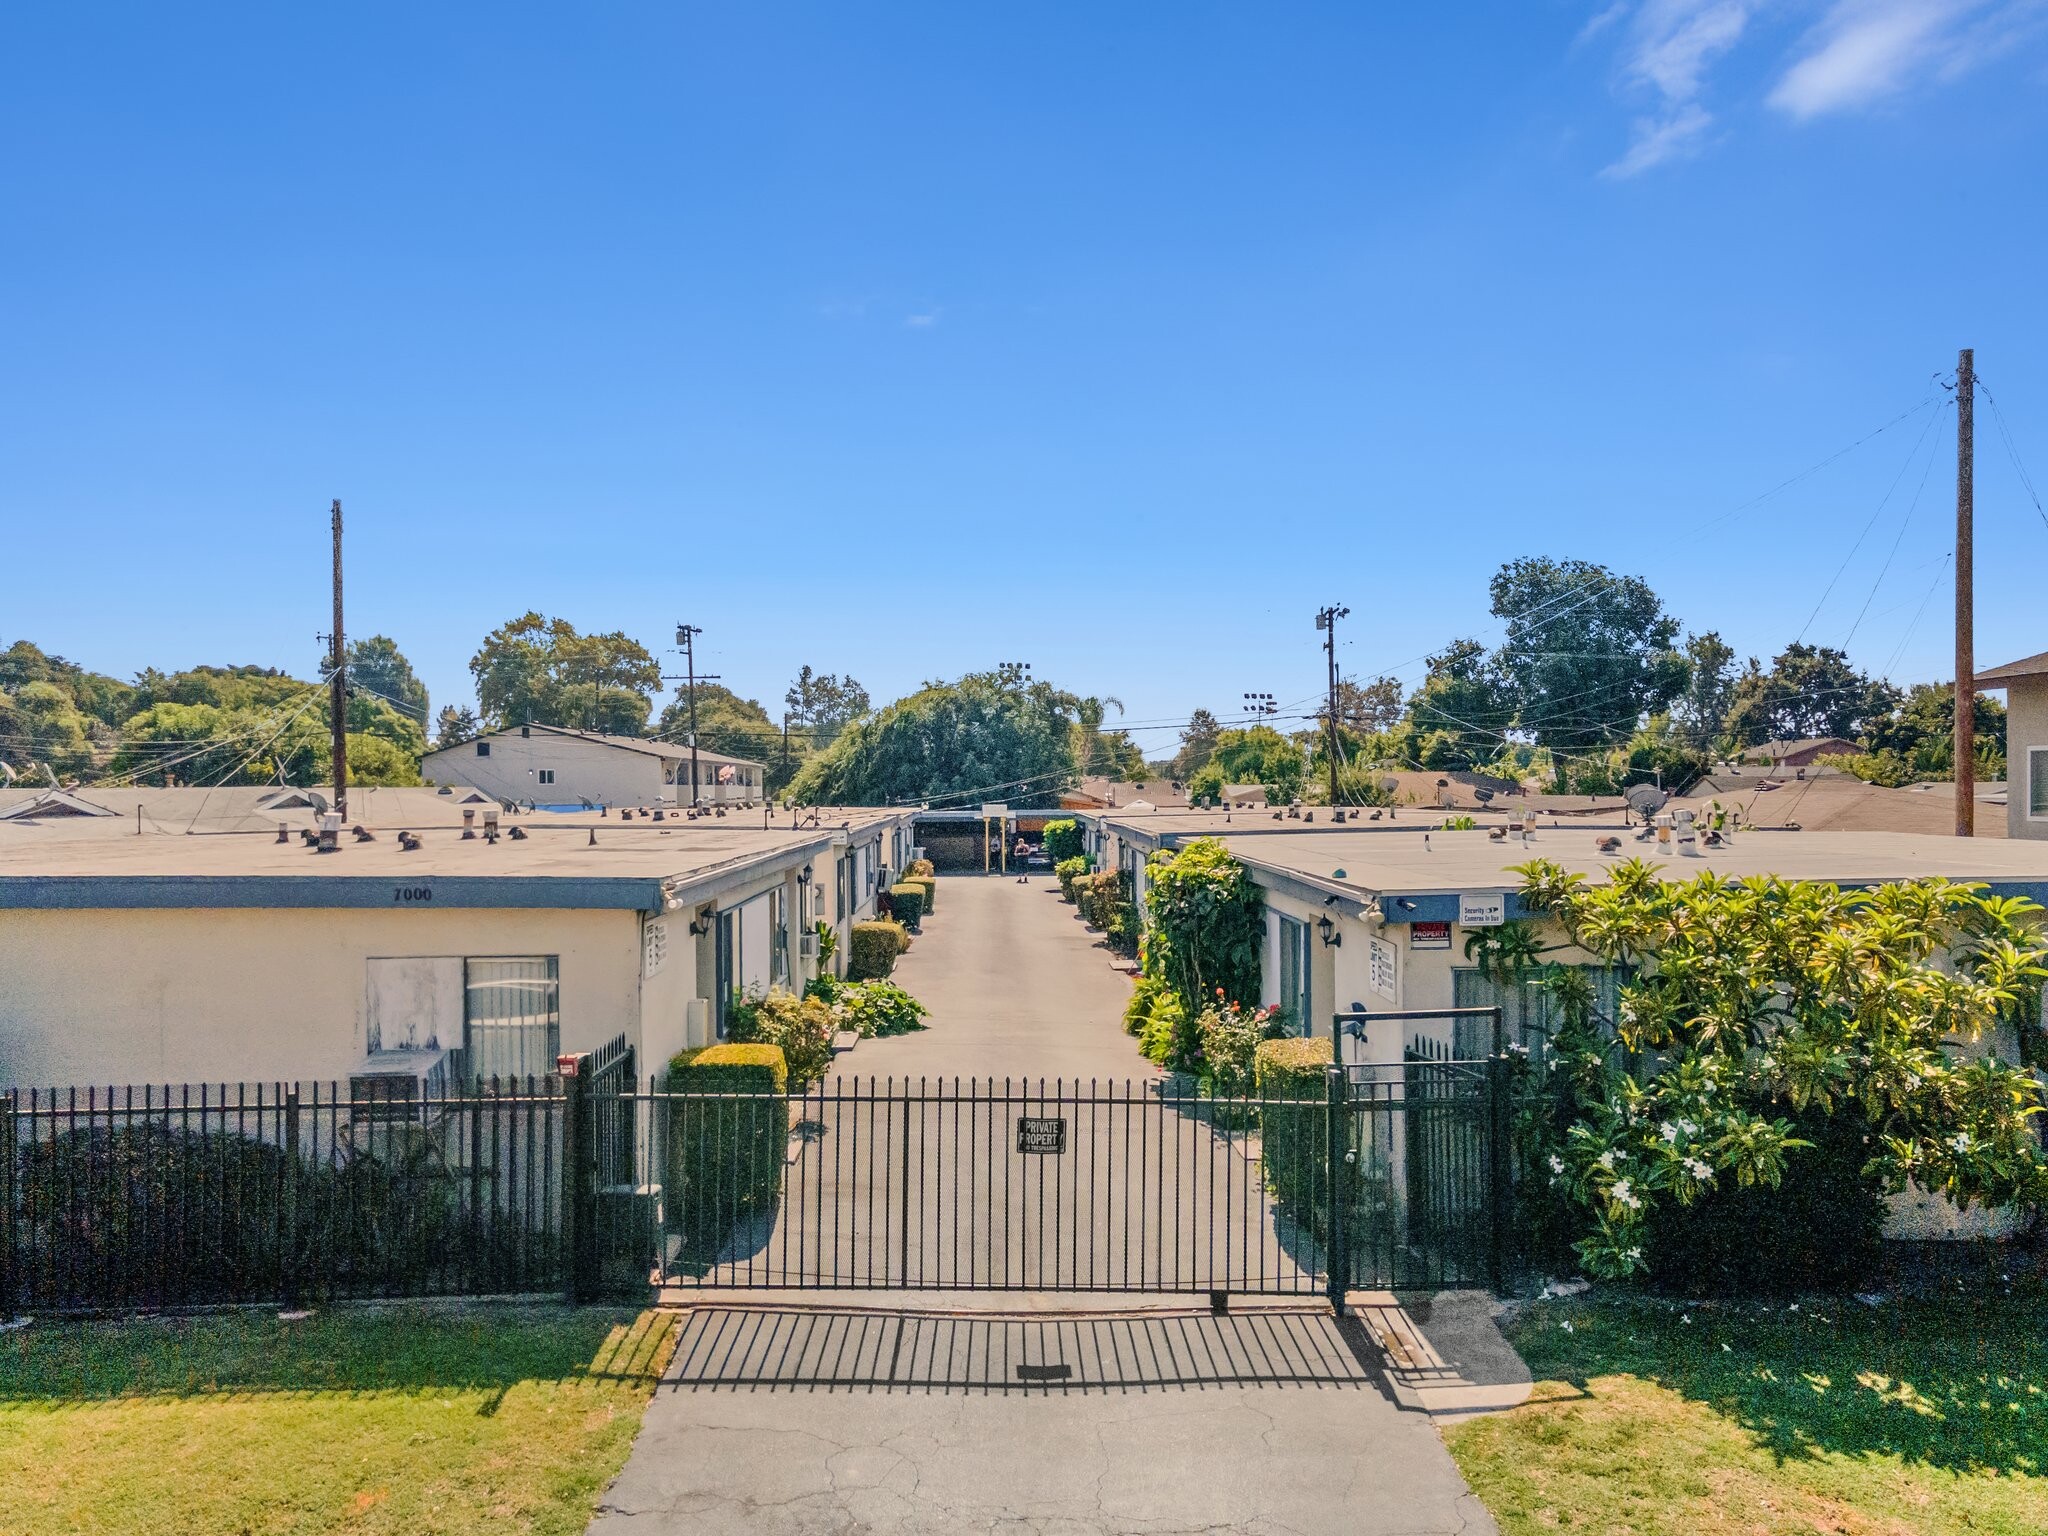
[1326, 621]
[337, 682]
[686, 635]
[1966, 595]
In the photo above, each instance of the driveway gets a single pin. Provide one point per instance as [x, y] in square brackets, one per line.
[1271, 1422]
[1017, 986]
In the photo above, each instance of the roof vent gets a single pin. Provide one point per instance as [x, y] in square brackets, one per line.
[284, 832]
[408, 842]
[363, 834]
[518, 834]
[468, 826]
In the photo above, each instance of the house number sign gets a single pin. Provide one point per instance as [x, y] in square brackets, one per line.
[1038, 1134]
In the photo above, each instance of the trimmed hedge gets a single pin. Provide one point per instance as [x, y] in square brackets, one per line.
[800, 1027]
[924, 869]
[871, 953]
[906, 904]
[1069, 873]
[725, 1155]
[1295, 1142]
[930, 886]
[1063, 840]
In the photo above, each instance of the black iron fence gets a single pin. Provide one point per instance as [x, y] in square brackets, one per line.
[586, 1183]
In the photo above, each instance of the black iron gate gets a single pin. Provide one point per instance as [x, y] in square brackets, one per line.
[1382, 1177]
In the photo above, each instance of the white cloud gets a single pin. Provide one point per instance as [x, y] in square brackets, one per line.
[1863, 50]
[1599, 22]
[1671, 46]
[922, 321]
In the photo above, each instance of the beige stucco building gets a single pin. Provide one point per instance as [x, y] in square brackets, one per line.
[2025, 685]
[246, 955]
[548, 765]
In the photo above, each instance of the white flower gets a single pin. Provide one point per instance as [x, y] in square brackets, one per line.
[1690, 1127]
[1698, 1169]
[1668, 1131]
[1625, 1196]
[1961, 1141]
[1556, 1163]
[1607, 1159]
[1634, 1255]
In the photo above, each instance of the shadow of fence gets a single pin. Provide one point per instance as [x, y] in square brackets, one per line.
[774, 1350]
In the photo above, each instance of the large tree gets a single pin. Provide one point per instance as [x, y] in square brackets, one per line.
[41, 726]
[1700, 713]
[1915, 743]
[1462, 712]
[378, 666]
[736, 727]
[1197, 744]
[1811, 690]
[1257, 755]
[539, 670]
[991, 735]
[455, 725]
[104, 698]
[822, 704]
[1588, 654]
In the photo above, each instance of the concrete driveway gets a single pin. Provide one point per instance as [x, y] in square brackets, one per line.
[1272, 1422]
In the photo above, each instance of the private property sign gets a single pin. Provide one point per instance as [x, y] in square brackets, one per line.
[1482, 909]
[1041, 1134]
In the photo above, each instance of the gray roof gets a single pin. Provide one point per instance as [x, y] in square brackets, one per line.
[667, 751]
[2013, 671]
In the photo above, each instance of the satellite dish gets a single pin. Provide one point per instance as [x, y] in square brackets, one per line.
[1646, 800]
[1482, 795]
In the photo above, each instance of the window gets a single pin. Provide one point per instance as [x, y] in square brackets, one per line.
[1529, 1014]
[2037, 783]
[725, 965]
[512, 1015]
[839, 888]
[483, 749]
[1293, 991]
[547, 775]
[778, 941]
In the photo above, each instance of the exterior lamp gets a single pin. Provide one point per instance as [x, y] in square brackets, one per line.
[1330, 936]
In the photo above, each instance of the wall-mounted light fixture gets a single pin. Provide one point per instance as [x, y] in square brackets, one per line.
[701, 923]
[805, 874]
[1331, 937]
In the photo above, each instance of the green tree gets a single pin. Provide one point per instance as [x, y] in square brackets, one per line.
[1811, 690]
[1197, 744]
[106, 699]
[1915, 743]
[1701, 711]
[1367, 710]
[1091, 749]
[1463, 710]
[1658, 753]
[538, 670]
[1587, 654]
[1256, 755]
[377, 665]
[39, 723]
[1208, 926]
[735, 727]
[822, 704]
[1756, 1001]
[990, 735]
[454, 725]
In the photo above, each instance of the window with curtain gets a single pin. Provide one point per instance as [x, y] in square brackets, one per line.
[1529, 1014]
[512, 1015]
[778, 942]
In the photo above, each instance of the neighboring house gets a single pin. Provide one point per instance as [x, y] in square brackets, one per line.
[1096, 793]
[1826, 800]
[1373, 917]
[2025, 685]
[490, 948]
[548, 765]
[1804, 751]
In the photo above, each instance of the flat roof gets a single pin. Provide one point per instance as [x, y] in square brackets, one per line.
[1433, 869]
[661, 747]
[635, 864]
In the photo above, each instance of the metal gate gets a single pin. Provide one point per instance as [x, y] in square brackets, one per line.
[1380, 1177]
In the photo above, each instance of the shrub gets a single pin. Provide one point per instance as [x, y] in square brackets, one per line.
[1295, 1140]
[924, 869]
[928, 885]
[1230, 1034]
[873, 950]
[802, 1027]
[1170, 1037]
[1820, 1229]
[880, 1008]
[906, 904]
[1139, 1008]
[1208, 923]
[1063, 840]
[825, 987]
[1068, 871]
[828, 942]
[725, 1154]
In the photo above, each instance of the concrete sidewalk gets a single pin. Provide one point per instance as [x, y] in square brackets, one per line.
[1273, 1422]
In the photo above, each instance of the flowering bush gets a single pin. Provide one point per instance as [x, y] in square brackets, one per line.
[1759, 1002]
[1230, 1034]
[873, 1008]
[802, 1026]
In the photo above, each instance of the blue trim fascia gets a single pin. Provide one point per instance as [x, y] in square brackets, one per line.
[1441, 908]
[110, 892]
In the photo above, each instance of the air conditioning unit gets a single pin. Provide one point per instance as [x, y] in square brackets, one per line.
[807, 945]
[396, 1097]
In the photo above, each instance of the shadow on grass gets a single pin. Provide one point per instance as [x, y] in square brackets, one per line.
[346, 1351]
[1957, 1384]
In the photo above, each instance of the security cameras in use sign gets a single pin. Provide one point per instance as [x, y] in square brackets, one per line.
[1482, 909]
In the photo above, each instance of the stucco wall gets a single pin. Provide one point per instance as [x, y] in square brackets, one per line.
[2026, 725]
[583, 770]
[246, 995]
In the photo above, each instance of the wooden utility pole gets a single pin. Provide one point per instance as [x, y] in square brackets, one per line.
[1966, 596]
[686, 636]
[337, 683]
[1326, 620]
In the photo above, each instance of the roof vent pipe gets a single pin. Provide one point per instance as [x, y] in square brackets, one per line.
[469, 824]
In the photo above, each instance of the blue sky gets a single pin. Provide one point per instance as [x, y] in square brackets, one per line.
[903, 339]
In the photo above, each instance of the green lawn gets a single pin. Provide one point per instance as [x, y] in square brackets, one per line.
[1927, 1418]
[480, 1418]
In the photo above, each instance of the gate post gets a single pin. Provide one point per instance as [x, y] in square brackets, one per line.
[8, 1155]
[579, 1182]
[1337, 1152]
[1500, 1134]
